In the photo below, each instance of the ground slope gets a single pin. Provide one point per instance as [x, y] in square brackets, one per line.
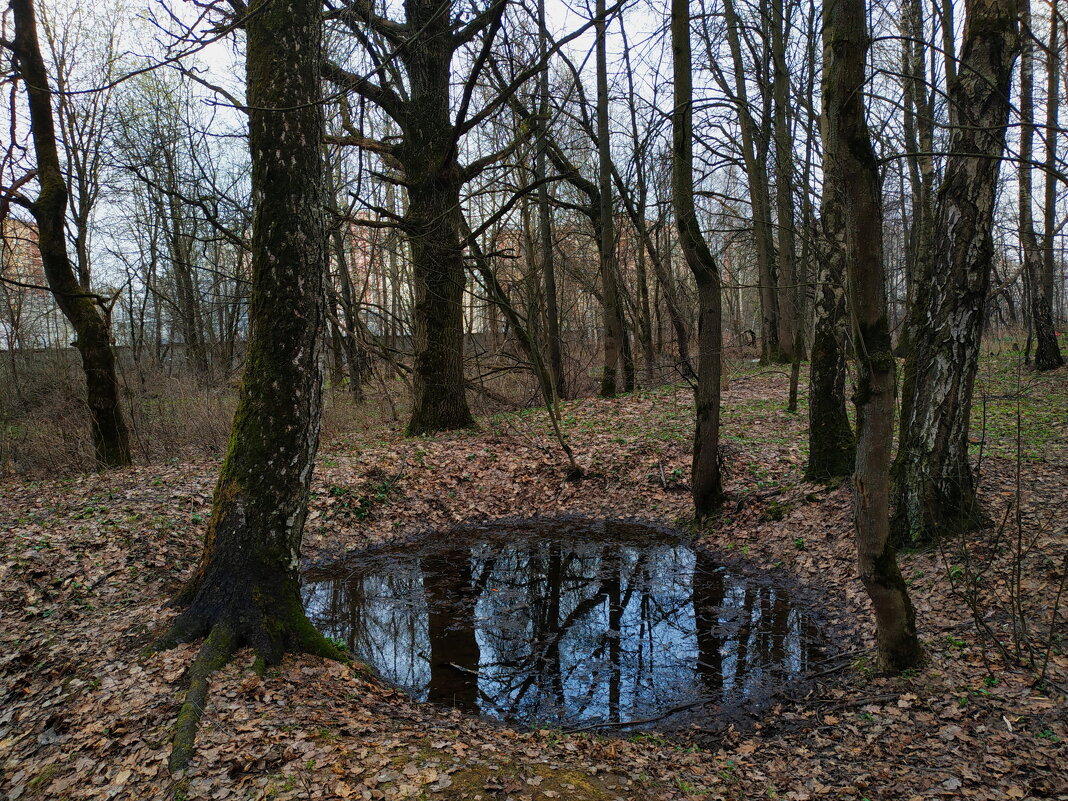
[87, 563]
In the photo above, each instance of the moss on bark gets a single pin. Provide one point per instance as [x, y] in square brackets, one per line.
[246, 590]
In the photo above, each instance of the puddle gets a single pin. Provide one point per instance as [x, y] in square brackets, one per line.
[566, 623]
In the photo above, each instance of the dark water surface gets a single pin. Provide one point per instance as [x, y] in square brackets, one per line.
[565, 623]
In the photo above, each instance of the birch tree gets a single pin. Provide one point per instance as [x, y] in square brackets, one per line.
[246, 589]
[935, 489]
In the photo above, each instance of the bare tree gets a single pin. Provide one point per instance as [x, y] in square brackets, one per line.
[1038, 268]
[87, 312]
[851, 173]
[707, 483]
[755, 148]
[246, 590]
[935, 489]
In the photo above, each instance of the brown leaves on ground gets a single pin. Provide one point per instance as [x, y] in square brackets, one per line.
[86, 566]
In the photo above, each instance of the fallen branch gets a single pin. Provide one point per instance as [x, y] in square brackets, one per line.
[622, 724]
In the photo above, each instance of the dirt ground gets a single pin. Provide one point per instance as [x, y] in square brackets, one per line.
[87, 564]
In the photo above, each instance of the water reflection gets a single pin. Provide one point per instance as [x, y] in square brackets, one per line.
[563, 623]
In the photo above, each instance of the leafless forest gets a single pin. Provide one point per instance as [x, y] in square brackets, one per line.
[309, 277]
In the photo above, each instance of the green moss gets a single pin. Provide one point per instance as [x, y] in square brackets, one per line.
[41, 781]
[776, 510]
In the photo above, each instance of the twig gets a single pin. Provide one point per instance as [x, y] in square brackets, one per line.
[622, 724]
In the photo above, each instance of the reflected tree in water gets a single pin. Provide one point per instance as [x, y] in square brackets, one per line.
[569, 628]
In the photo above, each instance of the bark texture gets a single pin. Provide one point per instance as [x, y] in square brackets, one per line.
[1047, 354]
[614, 329]
[706, 480]
[935, 490]
[918, 114]
[111, 441]
[853, 170]
[246, 588]
[434, 179]
[1049, 212]
[754, 153]
[831, 444]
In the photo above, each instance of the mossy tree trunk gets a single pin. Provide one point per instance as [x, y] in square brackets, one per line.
[246, 589]
[853, 170]
[935, 489]
[706, 481]
[84, 311]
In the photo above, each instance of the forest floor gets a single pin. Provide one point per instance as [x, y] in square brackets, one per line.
[87, 563]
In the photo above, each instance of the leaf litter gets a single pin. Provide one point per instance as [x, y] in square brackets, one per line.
[88, 563]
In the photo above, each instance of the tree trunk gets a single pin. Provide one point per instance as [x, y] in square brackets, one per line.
[664, 276]
[919, 145]
[434, 179]
[545, 221]
[935, 490]
[705, 477]
[642, 315]
[350, 312]
[759, 199]
[831, 445]
[853, 172]
[1048, 354]
[111, 440]
[246, 590]
[614, 331]
[790, 339]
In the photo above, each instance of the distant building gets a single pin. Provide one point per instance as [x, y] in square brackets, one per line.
[29, 317]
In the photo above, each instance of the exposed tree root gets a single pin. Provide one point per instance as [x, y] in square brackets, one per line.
[223, 639]
[216, 651]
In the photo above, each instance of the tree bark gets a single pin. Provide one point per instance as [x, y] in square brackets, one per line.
[853, 171]
[706, 481]
[111, 439]
[246, 590]
[1038, 261]
[434, 178]
[935, 490]
[919, 144]
[545, 221]
[759, 199]
[790, 339]
[831, 444]
[614, 331]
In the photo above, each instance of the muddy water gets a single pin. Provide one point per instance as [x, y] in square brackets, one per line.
[564, 623]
